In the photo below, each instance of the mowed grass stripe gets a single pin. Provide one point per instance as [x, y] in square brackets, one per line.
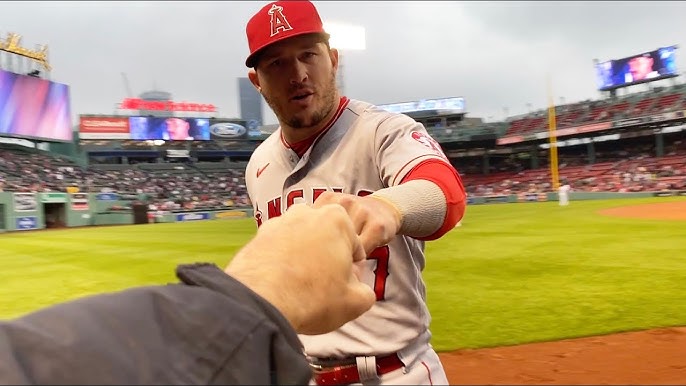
[46, 267]
[550, 279]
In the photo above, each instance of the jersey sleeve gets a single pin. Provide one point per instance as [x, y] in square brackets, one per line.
[401, 143]
[249, 181]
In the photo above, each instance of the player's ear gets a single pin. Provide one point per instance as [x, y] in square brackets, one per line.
[254, 79]
[333, 54]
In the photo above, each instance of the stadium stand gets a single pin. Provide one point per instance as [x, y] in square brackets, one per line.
[616, 166]
[167, 185]
[605, 110]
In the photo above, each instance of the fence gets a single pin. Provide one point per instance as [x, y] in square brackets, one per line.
[31, 211]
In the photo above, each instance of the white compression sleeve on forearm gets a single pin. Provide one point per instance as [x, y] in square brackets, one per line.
[421, 203]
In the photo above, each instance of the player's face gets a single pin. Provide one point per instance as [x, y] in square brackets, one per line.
[297, 78]
[177, 128]
[640, 67]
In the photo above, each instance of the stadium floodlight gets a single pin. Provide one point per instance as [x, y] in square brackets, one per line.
[345, 37]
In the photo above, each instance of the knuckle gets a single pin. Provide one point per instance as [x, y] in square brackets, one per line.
[336, 211]
[376, 227]
[335, 214]
[326, 197]
[347, 201]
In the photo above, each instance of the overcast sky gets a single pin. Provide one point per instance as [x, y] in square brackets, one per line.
[495, 54]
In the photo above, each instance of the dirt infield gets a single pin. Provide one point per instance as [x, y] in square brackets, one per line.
[658, 211]
[654, 357]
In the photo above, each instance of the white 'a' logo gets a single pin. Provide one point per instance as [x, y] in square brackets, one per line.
[278, 20]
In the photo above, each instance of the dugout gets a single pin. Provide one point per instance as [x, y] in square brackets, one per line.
[140, 213]
[55, 215]
[3, 228]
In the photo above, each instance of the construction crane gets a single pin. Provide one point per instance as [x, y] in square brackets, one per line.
[129, 93]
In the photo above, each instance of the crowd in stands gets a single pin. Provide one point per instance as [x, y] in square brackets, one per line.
[620, 170]
[654, 101]
[180, 186]
[175, 189]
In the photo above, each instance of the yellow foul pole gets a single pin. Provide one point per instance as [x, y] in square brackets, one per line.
[555, 180]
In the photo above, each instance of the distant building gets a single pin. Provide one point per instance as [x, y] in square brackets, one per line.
[156, 96]
[251, 104]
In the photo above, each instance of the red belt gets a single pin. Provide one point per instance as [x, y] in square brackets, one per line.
[346, 374]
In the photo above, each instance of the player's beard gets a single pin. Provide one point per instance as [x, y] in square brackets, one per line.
[325, 102]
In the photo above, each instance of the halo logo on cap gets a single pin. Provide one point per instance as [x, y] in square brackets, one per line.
[270, 25]
[278, 20]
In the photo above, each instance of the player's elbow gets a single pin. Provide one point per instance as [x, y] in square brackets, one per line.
[455, 211]
[456, 205]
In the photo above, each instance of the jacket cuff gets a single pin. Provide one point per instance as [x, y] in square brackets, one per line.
[209, 276]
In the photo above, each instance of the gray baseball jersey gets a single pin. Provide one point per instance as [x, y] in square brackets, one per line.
[362, 150]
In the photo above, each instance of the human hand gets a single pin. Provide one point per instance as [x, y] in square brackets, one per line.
[376, 220]
[302, 263]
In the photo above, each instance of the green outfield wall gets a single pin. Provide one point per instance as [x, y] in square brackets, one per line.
[32, 211]
[573, 196]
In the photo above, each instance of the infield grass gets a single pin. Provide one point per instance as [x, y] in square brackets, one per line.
[513, 273]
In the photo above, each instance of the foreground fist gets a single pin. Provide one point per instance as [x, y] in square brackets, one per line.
[302, 263]
[375, 220]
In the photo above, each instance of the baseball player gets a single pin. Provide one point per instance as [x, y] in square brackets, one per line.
[563, 194]
[391, 176]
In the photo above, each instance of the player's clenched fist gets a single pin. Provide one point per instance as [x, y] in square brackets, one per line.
[375, 220]
[302, 262]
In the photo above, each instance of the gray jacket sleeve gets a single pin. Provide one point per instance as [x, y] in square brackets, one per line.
[207, 329]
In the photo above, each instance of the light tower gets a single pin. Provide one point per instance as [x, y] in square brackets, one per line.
[345, 37]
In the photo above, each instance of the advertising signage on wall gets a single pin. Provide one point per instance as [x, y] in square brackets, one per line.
[25, 202]
[27, 222]
[140, 104]
[227, 129]
[104, 128]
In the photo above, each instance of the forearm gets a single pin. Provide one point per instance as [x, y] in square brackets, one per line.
[420, 203]
[164, 334]
[430, 199]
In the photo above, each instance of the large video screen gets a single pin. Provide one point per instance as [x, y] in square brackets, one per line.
[169, 129]
[646, 67]
[454, 105]
[34, 108]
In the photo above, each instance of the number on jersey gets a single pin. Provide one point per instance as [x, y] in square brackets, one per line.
[381, 255]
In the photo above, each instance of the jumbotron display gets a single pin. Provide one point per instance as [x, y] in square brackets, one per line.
[169, 129]
[34, 108]
[454, 105]
[646, 67]
[94, 127]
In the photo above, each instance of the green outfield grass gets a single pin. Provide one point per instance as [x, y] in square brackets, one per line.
[513, 273]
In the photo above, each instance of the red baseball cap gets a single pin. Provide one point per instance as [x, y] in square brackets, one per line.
[280, 20]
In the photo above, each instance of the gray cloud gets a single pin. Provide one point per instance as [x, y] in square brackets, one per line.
[495, 54]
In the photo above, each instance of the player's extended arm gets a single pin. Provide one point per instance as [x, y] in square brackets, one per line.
[430, 200]
[427, 203]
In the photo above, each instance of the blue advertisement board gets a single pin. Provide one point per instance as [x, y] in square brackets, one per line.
[192, 216]
[107, 197]
[27, 222]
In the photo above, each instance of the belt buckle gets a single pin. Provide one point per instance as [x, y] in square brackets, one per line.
[319, 369]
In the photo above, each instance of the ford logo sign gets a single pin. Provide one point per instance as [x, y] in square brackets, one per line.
[227, 130]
